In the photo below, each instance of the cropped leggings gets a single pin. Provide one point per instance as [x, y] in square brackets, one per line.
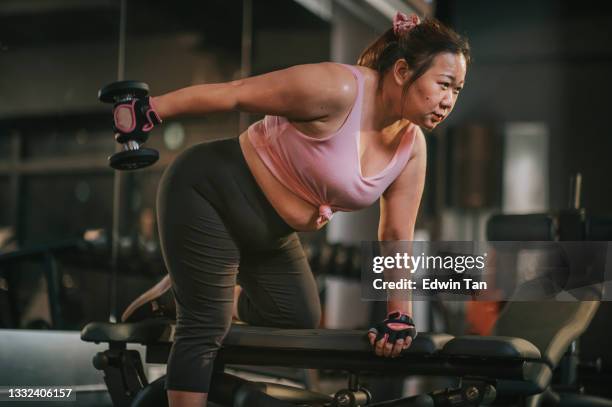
[217, 228]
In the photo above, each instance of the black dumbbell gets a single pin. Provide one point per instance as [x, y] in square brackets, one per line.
[133, 156]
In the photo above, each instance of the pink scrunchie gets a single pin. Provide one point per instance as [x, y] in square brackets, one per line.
[403, 23]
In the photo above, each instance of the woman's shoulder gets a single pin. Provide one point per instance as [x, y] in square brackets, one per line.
[367, 74]
[346, 75]
[366, 71]
[342, 74]
[332, 85]
[336, 82]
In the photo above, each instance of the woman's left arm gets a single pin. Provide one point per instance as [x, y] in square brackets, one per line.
[399, 206]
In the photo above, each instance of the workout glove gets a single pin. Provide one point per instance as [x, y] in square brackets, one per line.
[397, 326]
[135, 116]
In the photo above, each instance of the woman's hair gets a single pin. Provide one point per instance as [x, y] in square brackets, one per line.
[419, 46]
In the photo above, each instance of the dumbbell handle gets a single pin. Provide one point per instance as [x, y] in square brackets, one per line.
[131, 145]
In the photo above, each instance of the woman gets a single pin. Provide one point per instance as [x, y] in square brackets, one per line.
[335, 137]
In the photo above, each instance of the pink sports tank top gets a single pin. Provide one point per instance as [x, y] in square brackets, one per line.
[326, 171]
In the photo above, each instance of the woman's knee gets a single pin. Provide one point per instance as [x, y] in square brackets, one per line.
[191, 360]
[308, 317]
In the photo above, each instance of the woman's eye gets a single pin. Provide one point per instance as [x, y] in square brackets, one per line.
[445, 84]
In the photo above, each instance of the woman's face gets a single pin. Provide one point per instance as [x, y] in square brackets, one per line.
[431, 98]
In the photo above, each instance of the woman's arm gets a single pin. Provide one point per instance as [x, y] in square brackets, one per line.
[301, 92]
[399, 206]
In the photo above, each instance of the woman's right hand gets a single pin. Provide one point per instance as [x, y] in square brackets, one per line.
[393, 335]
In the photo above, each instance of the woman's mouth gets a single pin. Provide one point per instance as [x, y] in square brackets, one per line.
[437, 117]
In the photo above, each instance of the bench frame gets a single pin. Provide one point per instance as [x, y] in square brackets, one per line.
[480, 364]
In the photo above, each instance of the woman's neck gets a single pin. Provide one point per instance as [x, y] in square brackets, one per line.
[385, 111]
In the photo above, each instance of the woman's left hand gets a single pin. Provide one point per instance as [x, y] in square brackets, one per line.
[390, 337]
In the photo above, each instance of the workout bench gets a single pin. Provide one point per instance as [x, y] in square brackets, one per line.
[487, 365]
[500, 370]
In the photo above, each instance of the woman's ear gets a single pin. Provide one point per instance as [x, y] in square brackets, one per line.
[401, 72]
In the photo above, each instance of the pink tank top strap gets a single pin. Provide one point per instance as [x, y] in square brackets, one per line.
[358, 105]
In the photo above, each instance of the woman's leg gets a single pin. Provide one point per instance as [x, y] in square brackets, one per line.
[202, 260]
[211, 211]
[278, 288]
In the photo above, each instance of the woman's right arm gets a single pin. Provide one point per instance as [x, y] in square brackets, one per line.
[302, 92]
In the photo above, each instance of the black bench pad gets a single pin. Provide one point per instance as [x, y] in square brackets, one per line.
[501, 358]
[491, 347]
[160, 331]
[145, 332]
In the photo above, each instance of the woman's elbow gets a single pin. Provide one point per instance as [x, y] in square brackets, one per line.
[399, 234]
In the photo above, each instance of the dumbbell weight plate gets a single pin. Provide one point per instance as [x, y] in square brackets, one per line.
[110, 92]
[133, 159]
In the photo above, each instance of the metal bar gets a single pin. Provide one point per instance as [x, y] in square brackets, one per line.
[118, 178]
[122, 28]
[16, 190]
[52, 274]
[39, 251]
[83, 163]
[60, 164]
[21, 7]
[577, 190]
[246, 53]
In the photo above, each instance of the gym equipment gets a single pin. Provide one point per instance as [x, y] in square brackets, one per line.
[311, 348]
[46, 255]
[502, 369]
[130, 94]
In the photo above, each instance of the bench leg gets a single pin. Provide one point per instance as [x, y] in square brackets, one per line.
[123, 373]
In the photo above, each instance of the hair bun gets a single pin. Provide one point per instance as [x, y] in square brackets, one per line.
[403, 23]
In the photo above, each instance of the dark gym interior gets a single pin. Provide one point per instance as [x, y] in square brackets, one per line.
[79, 240]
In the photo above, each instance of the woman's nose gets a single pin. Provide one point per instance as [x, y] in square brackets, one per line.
[447, 101]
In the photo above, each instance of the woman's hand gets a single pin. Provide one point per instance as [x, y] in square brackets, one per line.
[390, 337]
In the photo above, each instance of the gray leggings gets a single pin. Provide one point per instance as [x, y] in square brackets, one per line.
[217, 227]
